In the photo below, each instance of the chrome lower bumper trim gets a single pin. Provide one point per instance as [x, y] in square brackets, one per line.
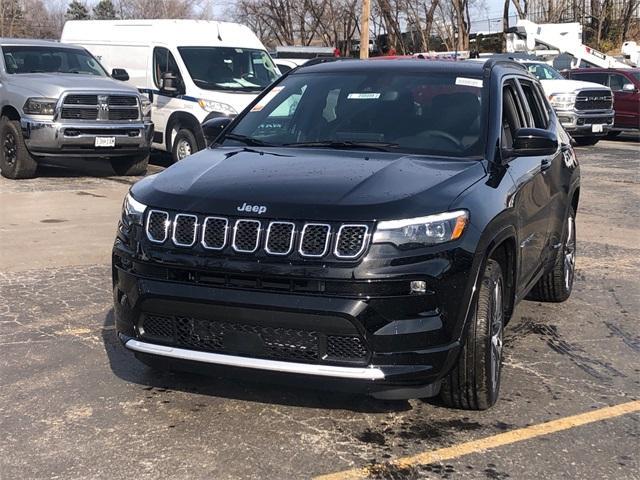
[366, 373]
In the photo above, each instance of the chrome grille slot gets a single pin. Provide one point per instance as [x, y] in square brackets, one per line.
[122, 100]
[184, 230]
[351, 241]
[314, 240]
[81, 100]
[157, 226]
[246, 236]
[123, 114]
[214, 233]
[279, 238]
[88, 113]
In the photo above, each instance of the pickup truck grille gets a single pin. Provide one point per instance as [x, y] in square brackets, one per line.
[259, 237]
[100, 107]
[594, 100]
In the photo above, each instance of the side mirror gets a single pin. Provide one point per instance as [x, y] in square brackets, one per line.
[213, 127]
[169, 83]
[119, 74]
[629, 87]
[531, 142]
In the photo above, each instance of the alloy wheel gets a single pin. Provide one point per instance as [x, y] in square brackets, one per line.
[10, 148]
[497, 321]
[570, 253]
[184, 149]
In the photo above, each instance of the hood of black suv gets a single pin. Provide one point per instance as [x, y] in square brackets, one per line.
[309, 184]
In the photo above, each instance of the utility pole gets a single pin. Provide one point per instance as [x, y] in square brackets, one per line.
[364, 29]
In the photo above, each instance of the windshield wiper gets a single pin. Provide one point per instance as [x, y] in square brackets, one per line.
[254, 142]
[382, 146]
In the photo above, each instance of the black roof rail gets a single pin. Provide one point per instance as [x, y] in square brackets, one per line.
[493, 62]
[319, 60]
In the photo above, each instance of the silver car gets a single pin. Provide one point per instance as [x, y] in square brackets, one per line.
[57, 101]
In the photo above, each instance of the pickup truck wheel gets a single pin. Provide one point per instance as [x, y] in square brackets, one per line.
[184, 145]
[474, 382]
[130, 166]
[556, 285]
[587, 141]
[15, 160]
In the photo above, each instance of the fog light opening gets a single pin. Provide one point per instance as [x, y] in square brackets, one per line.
[418, 286]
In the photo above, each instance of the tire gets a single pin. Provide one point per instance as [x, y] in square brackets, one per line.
[556, 285]
[15, 160]
[474, 382]
[184, 145]
[614, 134]
[587, 141]
[130, 166]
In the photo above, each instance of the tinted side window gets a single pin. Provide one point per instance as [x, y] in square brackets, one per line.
[600, 78]
[163, 62]
[535, 106]
[617, 81]
[512, 115]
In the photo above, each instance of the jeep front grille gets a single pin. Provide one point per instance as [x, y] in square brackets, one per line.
[312, 240]
[100, 107]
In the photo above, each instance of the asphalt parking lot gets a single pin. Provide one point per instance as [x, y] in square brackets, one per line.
[75, 404]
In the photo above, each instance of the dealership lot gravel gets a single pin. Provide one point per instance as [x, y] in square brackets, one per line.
[75, 404]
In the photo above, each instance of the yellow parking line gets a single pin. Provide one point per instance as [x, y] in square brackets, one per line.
[494, 441]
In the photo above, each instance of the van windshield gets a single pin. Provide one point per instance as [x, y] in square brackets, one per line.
[422, 113]
[225, 68]
[41, 59]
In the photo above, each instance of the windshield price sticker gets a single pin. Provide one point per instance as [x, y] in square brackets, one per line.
[363, 96]
[264, 101]
[469, 82]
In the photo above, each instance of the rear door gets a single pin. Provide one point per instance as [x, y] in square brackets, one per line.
[532, 196]
[626, 105]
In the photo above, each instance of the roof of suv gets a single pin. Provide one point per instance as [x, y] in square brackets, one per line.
[35, 43]
[407, 65]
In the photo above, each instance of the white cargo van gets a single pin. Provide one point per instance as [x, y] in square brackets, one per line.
[192, 70]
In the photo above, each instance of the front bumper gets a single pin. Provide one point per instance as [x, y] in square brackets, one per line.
[410, 341]
[51, 138]
[581, 123]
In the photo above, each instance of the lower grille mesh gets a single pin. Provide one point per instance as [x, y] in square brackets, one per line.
[276, 343]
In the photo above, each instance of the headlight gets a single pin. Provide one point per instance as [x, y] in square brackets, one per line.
[422, 231]
[145, 105]
[132, 211]
[40, 106]
[211, 106]
[563, 101]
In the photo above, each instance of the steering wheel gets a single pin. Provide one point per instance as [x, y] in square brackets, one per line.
[446, 136]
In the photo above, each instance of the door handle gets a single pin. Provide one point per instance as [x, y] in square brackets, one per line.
[545, 164]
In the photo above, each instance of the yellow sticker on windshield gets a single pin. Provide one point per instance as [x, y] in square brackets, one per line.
[264, 101]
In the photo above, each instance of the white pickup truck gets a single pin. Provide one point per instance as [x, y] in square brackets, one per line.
[585, 109]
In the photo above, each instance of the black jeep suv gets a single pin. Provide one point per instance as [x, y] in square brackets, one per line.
[367, 225]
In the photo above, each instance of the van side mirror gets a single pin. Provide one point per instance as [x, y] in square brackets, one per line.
[170, 83]
[119, 74]
[531, 142]
[213, 127]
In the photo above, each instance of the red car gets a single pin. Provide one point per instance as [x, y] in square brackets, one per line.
[625, 84]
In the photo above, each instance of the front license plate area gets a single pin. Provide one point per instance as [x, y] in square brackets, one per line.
[597, 128]
[243, 343]
[105, 142]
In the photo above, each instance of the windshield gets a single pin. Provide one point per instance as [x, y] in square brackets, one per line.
[37, 59]
[223, 68]
[544, 72]
[421, 113]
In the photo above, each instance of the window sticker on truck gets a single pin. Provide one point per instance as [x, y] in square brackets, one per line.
[469, 82]
[363, 96]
